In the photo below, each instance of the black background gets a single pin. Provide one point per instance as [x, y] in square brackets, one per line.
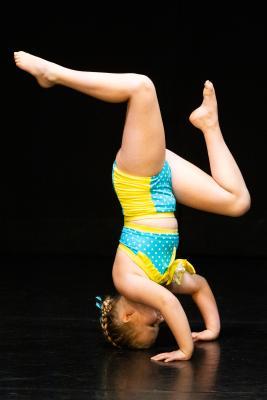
[60, 220]
[58, 145]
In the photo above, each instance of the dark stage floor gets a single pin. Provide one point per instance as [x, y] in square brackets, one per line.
[51, 347]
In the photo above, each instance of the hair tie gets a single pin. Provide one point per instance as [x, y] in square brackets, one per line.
[99, 304]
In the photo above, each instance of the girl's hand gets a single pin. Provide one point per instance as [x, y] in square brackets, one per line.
[177, 355]
[205, 335]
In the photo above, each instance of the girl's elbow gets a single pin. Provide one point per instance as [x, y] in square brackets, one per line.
[169, 300]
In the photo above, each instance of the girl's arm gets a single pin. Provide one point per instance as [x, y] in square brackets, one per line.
[142, 290]
[201, 293]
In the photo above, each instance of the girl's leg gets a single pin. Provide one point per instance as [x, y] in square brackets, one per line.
[143, 144]
[224, 192]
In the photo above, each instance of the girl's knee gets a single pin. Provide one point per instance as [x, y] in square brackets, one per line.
[143, 83]
[241, 205]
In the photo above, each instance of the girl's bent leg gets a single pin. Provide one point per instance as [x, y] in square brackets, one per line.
[143, 144]
[224, 192]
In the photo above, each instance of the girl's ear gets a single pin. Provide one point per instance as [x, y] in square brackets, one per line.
[128, 316]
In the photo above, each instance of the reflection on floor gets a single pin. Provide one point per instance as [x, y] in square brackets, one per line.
[51, 347]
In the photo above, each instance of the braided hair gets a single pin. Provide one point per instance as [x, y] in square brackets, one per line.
[107, 320]
[115, 331]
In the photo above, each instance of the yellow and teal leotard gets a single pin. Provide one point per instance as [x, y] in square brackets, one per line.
[152, 249]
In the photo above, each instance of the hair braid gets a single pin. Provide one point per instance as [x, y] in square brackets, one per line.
[106, 320]
[116, 331]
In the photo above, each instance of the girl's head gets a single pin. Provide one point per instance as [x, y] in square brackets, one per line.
[127, 323]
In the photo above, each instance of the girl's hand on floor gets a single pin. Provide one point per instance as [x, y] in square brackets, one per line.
[207, 334]
[177, 355]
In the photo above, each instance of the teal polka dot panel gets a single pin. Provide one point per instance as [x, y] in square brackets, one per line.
[131, 191]
[157, 246]
[161, 190]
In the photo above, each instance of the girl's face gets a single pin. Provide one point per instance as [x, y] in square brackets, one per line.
[144, 320]
[147, 320]
[147, 316]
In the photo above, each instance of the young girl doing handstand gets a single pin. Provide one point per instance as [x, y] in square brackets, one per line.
[148, 179]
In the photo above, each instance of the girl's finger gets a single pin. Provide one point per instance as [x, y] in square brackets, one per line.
[159, 357]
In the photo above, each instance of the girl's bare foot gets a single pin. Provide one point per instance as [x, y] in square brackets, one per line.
[206, 116]
[44, 71]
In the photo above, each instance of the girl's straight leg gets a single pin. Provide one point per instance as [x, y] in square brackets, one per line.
[143, 144]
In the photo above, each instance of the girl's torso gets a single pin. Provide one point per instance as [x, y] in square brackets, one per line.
[170, 223]
[146, 200]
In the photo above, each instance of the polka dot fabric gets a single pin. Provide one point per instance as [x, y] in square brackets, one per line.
[142, 196]
[161, 190]
[158, 247]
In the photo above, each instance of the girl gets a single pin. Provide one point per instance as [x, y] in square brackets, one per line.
[148, 179]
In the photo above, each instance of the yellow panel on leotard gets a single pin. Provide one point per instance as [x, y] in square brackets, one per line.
[133, 193]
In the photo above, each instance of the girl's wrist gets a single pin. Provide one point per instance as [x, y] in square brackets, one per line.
[214, 331]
